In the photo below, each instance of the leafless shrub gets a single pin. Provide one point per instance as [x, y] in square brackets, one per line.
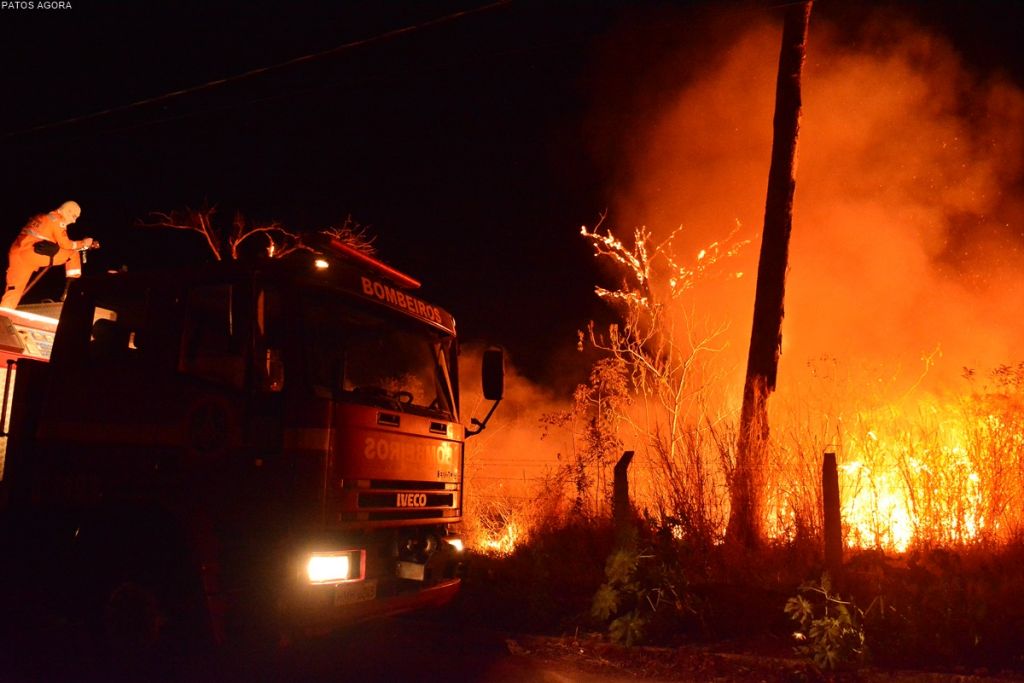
[661, 344]
[227, 242]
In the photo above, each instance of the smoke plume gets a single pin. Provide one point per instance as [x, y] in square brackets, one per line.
[907, 239]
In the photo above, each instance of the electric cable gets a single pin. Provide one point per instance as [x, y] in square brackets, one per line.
[308, 58]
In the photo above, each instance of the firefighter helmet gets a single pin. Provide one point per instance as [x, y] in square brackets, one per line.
[70, 211]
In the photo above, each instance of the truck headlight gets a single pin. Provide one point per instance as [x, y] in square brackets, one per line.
[335, 567]
[455, 542]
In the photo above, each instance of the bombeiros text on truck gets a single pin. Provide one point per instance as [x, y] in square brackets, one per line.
[273, 444]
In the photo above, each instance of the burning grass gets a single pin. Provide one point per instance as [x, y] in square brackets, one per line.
[920, 471]
[905, 237]
[932, 495]
[927, 473]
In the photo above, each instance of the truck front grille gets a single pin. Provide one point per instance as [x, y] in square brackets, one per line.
[385, 500]
[397, 515]
[398, 485]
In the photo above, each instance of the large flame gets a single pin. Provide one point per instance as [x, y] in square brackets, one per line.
[906, 261]
[906, 267]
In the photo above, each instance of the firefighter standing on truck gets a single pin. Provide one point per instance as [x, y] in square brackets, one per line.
[44, 242]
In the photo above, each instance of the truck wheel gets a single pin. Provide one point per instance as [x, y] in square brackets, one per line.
[152, 625]
[140, 595]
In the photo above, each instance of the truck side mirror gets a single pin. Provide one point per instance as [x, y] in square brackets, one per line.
[493, 374]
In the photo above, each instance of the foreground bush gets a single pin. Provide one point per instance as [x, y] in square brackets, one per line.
[925, 609]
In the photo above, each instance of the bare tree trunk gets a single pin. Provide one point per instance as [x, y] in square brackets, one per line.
[746, 515]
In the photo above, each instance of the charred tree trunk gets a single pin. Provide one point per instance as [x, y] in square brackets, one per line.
[746, 515]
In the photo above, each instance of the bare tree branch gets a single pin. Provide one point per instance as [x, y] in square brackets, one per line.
[662, 353]
[280, 241]
[200, 221]
[354, 235]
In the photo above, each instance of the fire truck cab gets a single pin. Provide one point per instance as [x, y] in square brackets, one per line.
[274, 444]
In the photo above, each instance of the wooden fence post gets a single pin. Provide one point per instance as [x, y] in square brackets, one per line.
[833, 520]
[622, 511]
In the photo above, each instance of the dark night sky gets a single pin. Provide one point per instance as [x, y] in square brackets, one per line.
[465, 146]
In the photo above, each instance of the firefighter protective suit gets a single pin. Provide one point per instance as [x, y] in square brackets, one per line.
[43, 242]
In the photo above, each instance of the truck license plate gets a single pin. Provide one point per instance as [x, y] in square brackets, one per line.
[360, 591]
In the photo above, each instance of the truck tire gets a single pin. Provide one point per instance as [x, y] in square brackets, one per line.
[133, 616]
[142, 598]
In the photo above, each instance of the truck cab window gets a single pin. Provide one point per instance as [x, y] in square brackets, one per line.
[110, 341]
[118, 323]
[268, 364]
[376, 359]
[213, 335]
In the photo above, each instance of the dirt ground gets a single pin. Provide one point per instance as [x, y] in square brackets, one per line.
[592, 659]
[422, 648]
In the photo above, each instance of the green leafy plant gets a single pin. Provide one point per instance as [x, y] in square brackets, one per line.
[620, 598]
[831, 629]
[638, 586]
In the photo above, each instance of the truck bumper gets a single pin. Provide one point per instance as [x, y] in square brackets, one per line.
[314, 611]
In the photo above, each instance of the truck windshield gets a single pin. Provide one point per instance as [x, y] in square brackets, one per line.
[376, 359]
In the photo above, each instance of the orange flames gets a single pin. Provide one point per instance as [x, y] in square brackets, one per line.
[906, 245]
[906, 266]
[930, 471]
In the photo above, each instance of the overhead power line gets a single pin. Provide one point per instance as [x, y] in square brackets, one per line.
[304, 59]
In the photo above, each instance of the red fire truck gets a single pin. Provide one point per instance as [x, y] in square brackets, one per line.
[267, 445]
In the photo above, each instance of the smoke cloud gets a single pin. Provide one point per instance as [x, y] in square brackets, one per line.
[907, 237]
[509, 462]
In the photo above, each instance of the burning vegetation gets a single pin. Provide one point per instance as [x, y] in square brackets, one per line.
[902, 344]
[902, 330]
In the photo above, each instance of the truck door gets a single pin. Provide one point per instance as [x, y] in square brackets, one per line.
[108, 418]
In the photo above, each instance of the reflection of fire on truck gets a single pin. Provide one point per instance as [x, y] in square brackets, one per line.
[276, 442]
